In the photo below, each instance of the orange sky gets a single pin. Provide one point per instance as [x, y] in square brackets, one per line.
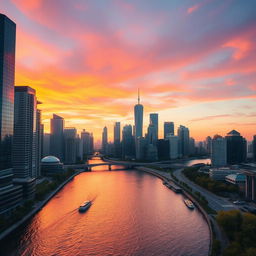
[194, 61]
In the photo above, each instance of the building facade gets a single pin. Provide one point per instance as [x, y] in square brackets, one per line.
[104, 144]
[183, 134]
[168, 129]
[57, 137]
[10, 194]
[219, 151]
[70, 154]
[153, 120]
[236, 148]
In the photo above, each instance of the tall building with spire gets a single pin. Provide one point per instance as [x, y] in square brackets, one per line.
[138, 118]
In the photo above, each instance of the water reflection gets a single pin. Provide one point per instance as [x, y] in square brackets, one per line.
[133, 214]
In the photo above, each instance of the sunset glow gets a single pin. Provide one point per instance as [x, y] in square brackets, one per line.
[194, 61]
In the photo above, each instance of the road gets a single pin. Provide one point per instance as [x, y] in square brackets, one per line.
[215, 202]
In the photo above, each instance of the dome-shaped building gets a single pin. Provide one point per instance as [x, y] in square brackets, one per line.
[51, 165]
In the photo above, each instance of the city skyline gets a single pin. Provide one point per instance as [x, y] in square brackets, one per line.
[204, 81]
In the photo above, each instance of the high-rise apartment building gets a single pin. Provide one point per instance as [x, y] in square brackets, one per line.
[183, 134]
[153, 119]
[219, 151]
[57, 137]
[168, 129]
[10, 194]
[25, 140]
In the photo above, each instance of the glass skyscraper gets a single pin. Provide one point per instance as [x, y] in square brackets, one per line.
[138, 117]
[10, 194]
[7, 69]
[153, 119]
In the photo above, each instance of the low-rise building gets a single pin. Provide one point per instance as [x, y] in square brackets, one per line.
[238, 179]
[51, 165]
[221, 173]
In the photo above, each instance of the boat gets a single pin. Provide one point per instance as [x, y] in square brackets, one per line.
[85, 206]
[189, 204]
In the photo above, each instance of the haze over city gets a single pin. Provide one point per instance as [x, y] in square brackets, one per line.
[194, 62]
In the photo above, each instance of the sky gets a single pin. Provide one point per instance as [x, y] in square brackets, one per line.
[194, 62]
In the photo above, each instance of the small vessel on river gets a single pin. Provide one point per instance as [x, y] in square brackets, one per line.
[85, 206]
[189, 204]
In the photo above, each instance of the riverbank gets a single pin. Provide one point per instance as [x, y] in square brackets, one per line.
[166, 177]
[37, 208]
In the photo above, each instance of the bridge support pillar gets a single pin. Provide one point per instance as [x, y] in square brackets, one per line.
[109, 167]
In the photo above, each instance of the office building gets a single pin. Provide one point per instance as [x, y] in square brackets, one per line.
[152, 135]
[236, 148]
[254, 148]
[104, 143]
[10, 194]
[39, 140]
[174, 146]
[168, 129]
[208, 144]
[127, 142]
[192, 147]
[117, 140]
[138, 117]
[163, 149]
[153, 120]
[57, 138]
[70, 154]
[87, 143]
[25, 140]
[219, 151]
[183, 134]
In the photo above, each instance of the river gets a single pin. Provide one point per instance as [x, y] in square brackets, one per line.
[133, 214]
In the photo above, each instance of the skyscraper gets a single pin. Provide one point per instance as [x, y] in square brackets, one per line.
[153, 119]
[39, 140]
[104, 144]
[208, 144]
[117, 139]
[7, 69]
[57, 138]
[10, 195]
[85, 137]
[25, 140]
[168, 129]
[183, 134]
[219, 151]
[70, 153]
[138, 117]
[236, 148]
[254, 148]
[174, 146]
[127, 142]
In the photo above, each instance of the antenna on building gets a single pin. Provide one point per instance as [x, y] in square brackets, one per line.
[138, 95]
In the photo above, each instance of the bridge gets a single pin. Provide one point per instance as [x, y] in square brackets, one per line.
[88, 167]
